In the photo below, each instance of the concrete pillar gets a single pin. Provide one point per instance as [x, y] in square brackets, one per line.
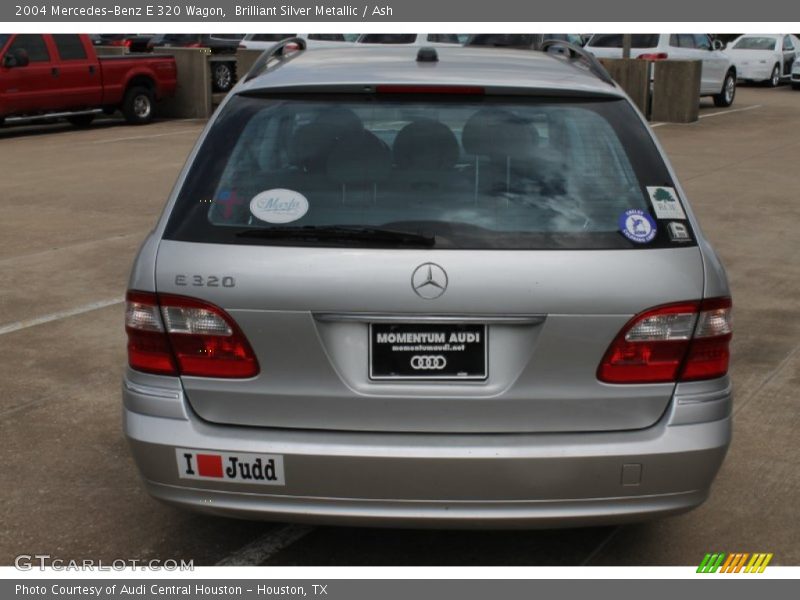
[676, 90]
[632, 75]
[192, 98]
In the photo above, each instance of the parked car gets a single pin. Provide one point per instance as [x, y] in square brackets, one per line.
[262, 41]
[411, 39]
[764, 58]
[576, 39]
[796, 75]
[223, 48]
[134, 42]
[525, 41]
[44, 75]
[719, 74]
[455, 286]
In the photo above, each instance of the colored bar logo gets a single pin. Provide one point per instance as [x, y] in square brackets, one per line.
[735, 562]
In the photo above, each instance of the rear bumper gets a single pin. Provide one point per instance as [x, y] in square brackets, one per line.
[441, 480]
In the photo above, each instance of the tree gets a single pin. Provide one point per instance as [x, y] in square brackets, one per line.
[663, 195]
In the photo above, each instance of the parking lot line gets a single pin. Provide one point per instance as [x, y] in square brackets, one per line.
[145, 137]
[269, 544]
[732, 110]
[62, 314]
[606, 540]
[716, 114]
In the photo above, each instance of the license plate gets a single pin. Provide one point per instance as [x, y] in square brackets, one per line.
[233, 467]
[427, 351]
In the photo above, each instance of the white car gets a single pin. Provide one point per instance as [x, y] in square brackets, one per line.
[412, 39]
[719, 73]
[764, 57]
[796, 75]
[262, 41]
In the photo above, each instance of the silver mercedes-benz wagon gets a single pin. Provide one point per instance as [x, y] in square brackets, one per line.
[448, 287]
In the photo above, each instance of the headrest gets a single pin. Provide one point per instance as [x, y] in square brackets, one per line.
[311, 144]
[426, 144]
[359, 158]
[497, 132]
[342, 118]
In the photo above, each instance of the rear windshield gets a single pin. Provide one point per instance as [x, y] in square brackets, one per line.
[755, 43]
[614, 40]
[476, 172]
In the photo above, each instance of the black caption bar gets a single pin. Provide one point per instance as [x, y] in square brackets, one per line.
[476, 11]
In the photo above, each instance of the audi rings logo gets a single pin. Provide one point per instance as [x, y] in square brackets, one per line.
[428, 363]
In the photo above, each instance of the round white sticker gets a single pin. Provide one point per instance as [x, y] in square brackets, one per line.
[278, 206]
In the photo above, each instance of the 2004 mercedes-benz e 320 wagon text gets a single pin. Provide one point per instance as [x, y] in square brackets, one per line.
[452, 287]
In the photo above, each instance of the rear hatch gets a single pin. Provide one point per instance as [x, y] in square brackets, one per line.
[417, 262]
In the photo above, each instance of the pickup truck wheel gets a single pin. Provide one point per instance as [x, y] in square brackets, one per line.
[81, 120]
[728, 92]
[137, 107]
[222, 76]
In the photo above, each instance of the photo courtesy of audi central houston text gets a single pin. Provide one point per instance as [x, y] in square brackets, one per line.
[431, 286]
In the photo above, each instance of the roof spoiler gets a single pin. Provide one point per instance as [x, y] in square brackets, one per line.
[575, 53]
[274, 52]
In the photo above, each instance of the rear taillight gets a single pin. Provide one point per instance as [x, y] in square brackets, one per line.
[148, 346]
[654, 56]
[677, 342]
[176, 335]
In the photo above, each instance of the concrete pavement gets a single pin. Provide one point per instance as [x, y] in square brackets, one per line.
[76, 206]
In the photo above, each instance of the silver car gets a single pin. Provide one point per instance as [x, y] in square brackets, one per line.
[428, 287]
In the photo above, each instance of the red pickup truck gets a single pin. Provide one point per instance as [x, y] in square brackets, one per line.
[60, 74]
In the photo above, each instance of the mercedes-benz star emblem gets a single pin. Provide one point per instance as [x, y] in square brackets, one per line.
[429, 281]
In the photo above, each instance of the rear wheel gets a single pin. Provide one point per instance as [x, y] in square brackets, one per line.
[137, 107]
[81, 120]
[222, 76]
[775, 77]
[795, 86]
[728, 92]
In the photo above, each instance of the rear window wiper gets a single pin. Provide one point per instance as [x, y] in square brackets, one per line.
[341, 233]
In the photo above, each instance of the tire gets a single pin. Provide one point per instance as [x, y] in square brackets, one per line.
[795, 86]
[728, 91]
[81, 121]
[222, 78]
[775, 77]
[137, 107]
